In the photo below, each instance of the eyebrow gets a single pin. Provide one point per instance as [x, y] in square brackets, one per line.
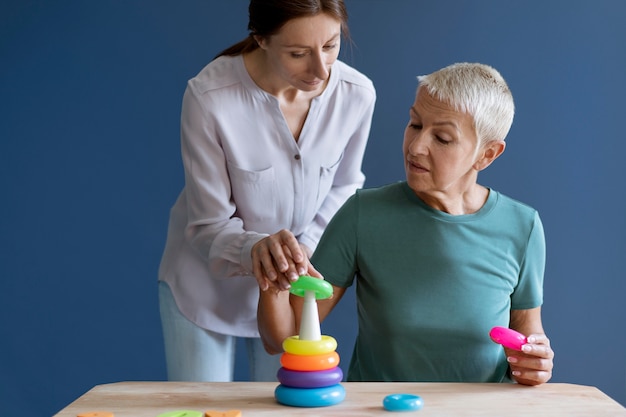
[437, 123]
[334, 38]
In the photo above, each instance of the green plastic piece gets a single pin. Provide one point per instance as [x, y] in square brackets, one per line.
[182, 413]
[321, 288]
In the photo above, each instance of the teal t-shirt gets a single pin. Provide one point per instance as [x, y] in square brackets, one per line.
[431, 285]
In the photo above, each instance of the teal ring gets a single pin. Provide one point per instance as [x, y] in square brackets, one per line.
[310, 397]
[403, 402]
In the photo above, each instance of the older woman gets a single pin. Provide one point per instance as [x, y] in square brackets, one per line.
[438, 259]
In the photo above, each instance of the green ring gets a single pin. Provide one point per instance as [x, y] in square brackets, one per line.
[321, 288]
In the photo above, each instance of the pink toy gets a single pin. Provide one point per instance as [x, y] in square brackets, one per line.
[508, 337]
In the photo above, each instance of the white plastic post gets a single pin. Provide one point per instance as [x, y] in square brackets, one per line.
[310, 323]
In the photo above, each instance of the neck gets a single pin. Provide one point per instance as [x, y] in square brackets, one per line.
[456, 204]
[265, 78]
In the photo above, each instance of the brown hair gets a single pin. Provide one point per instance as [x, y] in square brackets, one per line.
[267, 17]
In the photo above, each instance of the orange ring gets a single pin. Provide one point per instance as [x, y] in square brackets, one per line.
[309, 362]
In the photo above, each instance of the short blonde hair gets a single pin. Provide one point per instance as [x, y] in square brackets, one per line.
[478, 90]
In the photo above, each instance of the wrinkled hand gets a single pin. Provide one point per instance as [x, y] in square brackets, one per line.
[280, 259]
[533, 365]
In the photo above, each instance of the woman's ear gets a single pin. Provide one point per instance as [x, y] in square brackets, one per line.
[260, 40]
[490, 152]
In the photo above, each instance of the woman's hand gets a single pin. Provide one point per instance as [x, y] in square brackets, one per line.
[533, 365]
[280, 259]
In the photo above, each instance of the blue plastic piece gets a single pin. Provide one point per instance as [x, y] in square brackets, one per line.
[310, 397]
[403, 402]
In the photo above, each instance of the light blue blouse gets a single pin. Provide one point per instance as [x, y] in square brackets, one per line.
[246, 177]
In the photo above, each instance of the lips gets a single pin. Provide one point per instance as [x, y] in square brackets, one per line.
[414, 166]
[314, 82]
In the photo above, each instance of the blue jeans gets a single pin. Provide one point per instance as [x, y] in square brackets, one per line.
[196, 354]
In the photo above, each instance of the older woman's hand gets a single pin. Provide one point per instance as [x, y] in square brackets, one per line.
[533, 365]
[279, 259]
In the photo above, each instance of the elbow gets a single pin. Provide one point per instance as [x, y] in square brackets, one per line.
[271, 347]
[272, 343]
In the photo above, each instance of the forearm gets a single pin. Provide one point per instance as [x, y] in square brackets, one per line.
[225, 246]
[527, 321]
[276, 319]
[533, 365]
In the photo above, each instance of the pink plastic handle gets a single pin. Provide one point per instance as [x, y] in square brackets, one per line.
[508, 337]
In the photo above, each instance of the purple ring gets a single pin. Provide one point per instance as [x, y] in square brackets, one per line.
[310, 379]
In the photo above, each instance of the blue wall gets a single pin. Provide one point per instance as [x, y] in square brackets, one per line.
[90, 165]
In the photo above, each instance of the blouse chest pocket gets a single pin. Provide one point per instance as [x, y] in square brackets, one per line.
[327, 177]
[254, 194]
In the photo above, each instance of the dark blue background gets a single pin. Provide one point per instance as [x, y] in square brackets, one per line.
[90, 95]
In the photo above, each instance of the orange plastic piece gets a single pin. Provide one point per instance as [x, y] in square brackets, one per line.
[309, 362]
[229, 413]
[96, 414]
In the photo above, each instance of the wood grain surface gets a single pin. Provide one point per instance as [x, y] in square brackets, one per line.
[256, 399]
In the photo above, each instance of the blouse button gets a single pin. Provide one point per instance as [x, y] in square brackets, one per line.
[297, 157]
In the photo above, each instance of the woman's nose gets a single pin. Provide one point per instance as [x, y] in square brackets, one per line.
[319, 67]
[417, 144]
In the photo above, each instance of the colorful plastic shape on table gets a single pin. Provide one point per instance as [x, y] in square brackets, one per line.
[96, 414]
[310, 375]
[403, 402]
[311, 289]
[508, 337]
[309, 362]
[229, 413]
[321, 288]
[182, 413]
[294, 345]
[310, 397]
[307, 379]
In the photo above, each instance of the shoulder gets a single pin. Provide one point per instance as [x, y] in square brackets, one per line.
[514, 213]
[219, 73]
[350, 77]
[508, 203]
[374, 197]
[369, 199]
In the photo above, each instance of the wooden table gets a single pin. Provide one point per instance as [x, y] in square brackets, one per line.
[149, 399]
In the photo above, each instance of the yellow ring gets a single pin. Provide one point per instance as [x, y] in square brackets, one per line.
[294, 345]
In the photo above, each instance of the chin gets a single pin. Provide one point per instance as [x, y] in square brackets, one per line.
[415, 184]
[309, 87]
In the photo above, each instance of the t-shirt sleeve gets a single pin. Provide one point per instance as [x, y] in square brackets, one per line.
[529, 290]
[336, 254]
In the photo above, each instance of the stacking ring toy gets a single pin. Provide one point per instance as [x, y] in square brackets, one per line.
[321, 288]
[508, 337]
[294, 345]
[403, 402]
[308, 379]
[310, 397]
[310, 362]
